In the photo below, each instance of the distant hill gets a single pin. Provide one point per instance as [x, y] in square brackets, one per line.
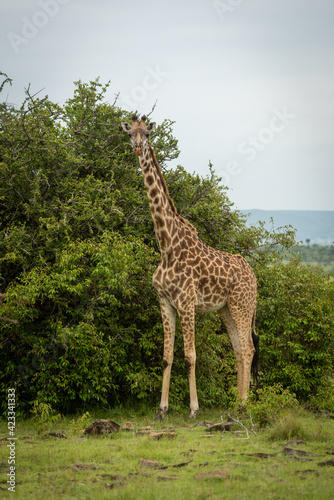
[317, 226]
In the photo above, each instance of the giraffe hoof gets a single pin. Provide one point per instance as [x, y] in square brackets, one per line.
[161, 414]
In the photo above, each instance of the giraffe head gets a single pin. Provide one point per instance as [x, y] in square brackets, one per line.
[139, 133]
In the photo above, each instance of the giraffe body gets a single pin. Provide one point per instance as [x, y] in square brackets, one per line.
[193, 277]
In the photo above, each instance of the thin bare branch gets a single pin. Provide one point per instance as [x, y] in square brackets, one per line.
[237, 421]
[116, 99]
[8, 320]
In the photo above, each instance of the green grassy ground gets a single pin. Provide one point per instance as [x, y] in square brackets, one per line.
[110, 466]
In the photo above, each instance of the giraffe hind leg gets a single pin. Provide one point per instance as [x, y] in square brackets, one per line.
[240, 335]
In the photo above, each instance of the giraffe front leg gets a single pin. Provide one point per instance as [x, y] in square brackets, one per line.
[187, 320]
[168, 314]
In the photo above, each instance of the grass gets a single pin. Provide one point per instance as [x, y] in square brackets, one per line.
[108, 466]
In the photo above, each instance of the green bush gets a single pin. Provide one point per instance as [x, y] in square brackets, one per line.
[270, 403]
[299, 425]
[323, 399]
[295, 320]
[77, 340]
[287, 427]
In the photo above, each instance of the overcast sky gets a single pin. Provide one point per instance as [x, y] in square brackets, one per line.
[249, 83]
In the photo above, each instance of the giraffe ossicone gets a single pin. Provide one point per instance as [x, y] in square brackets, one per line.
[193, 277]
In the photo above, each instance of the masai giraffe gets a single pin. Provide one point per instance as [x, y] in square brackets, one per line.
[193, 277]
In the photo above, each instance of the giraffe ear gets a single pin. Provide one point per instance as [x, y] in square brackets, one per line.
[126, 126]
[151, 126]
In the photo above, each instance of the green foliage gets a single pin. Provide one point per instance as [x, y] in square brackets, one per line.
[295, 320]
[270, 403]
[77, 252]
[323, 399]
[287, 427]
[76, 331]
[6, 80]
[82, 422]
[299, 425]
[44, 414]
[317, 255]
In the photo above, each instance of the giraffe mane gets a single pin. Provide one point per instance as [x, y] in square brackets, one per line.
[165, 188]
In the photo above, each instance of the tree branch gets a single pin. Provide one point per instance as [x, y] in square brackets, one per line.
[8, 320]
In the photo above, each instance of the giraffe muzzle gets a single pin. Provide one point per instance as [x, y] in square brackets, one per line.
[138, 150]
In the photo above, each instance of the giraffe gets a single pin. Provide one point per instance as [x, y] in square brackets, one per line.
[193, 277]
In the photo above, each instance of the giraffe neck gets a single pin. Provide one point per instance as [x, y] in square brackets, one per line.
[163, 211]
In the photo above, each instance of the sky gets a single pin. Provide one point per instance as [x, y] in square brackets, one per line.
[249, 83]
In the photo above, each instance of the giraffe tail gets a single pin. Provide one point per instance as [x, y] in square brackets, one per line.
[255, 362]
